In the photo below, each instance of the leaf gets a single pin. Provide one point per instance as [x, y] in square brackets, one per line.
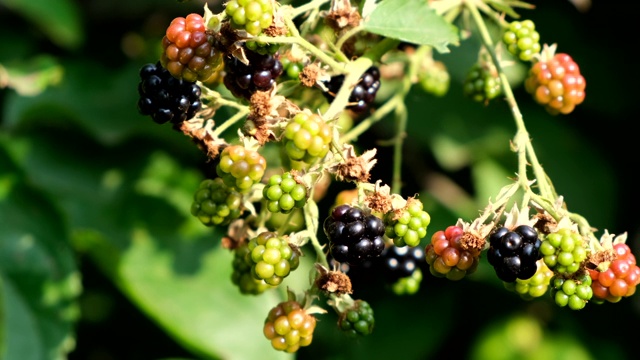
[412, 21]
[59, 19]
[32, 76]
[39, 280]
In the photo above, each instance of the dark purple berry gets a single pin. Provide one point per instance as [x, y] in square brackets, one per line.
[259, 75]
[513, 254]
[363, 93]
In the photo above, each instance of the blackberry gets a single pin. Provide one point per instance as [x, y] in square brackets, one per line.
[534, 287]
[357, 320]
[407, 226]
[214, 203]
[620, 279]
[283, 193]
[165, 98]
[574, 292]
[188, 52]
[513, 254]
[401, 262]
[363, 93]
[288, 326]
[354, 236]
[242, 276]
[253, 16]
[240, 167]
[307, 138]
[259, 75]
[482, 83]
[449, 254]
[272, 258]
[564, 251]
[522, 39]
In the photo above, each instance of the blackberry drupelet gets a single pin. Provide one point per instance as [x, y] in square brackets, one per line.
[165, 98]
[354, 236]
[402, 261]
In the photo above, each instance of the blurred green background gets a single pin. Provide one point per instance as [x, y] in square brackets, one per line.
[101, 260]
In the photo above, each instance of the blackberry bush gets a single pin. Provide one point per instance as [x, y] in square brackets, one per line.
[354, 236]
[165, 98]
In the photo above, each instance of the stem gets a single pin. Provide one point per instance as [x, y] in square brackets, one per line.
[311, 5]
[310, 219]
[338, 67]
[232, 120]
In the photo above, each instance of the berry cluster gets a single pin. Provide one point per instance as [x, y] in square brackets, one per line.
[363, 93]
[408, 225]
[307, 137]
[534, 287]
[272, 258]
[447, 257]
[188, 51]
[354, 237]
[253, 16]
[288, 326]
[260, 74]
[574, 292]
[214, 203]
[435, 79]
[357, 320]
[513, 254]
[556, 84]
[242, 275]
[166, 98]
[283, 193]
[240, 168]
[482, 83]
[563, 251]
[522, 39]
[402, 267]
[619, 279]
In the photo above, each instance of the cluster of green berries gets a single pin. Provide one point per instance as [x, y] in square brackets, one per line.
[358, 320]
[556, 84]
[482, 83]
[574, 292]
[307, 137]
[188, 51]
[435, 79]
[407, 226]
[447, 257]
[214, 203]
[534, 287]
[240, 168]
[522, 39]
[253, 16]
[619, 279]
[242, 275]
[272, 258]
[292, 69]
[283, 193]
[563, 251]
[288, 326]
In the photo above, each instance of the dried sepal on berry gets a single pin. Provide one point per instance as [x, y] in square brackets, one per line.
[333, 282]
[351, 167]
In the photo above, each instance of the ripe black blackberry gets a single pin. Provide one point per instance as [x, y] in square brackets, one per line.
[165, 98]
[260, 75]
[362, 95]
[402, 261]
[354, 236]
[513, 254]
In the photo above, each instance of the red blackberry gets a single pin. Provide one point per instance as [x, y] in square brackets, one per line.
[166, 98]
[362, 95]
[187, 49]
[259, 75]
[354, 236]
[513, 254]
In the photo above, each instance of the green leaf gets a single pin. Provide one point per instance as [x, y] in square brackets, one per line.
[58, 19]
[32, 76]
[39, 281]
[412, 21]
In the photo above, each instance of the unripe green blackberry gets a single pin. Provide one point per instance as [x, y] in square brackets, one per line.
[563, 251]
[357, 320]
[482, 83]
[574, 292]
[188, 51]
[288, 326]
[214, 203]
[534, 287]
[283, 193]
[242, 276]
[408, 225]
[250, 15]
[240, 168]
[435, 79]
[291, 68]
[272, 258]
[522, 39]
[307, 137]
[407, 285]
